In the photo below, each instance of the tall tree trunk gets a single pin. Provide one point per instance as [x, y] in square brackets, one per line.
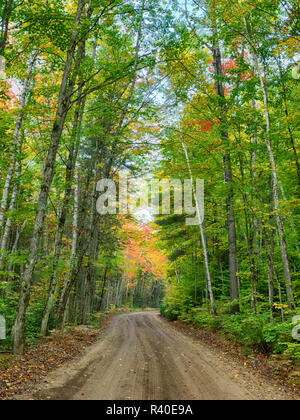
[16, 141]
[70, 167]
[255, 240]
[5, 18]
[84, 241]
[66, 90]
[202, 233]
[100, 304]
[8, 223]
[234, 288]
[16, 241]
[286, 112]
[270, 265]
[68, 287]
[275, 188]
[58, 242]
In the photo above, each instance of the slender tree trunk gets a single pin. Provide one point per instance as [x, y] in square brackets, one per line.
[280, 296]
[202, 233]
[5, 18]
[176, 272]
[248, 239]
[251, 264]
[270, 265]
[16, 142]
[8, 223]
[86, 238]
[234, 289]
[255, 240]
[58, 243]
[93, 248]
[275, 189]
[286, 112]
[70, 167]
[66, 90]
[121, 294]
[102, 289]
[95, 223]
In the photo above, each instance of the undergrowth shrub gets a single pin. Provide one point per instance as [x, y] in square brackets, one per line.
[292, 350]
[255, 333]
[170, 312]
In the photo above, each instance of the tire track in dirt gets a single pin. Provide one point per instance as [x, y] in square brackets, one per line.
[141, 357]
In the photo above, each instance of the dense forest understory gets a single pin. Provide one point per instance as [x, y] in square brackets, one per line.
[169, 92]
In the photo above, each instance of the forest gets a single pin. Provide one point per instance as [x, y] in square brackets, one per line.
[163, 90]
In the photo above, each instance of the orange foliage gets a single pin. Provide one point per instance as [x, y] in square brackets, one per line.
[142, 253]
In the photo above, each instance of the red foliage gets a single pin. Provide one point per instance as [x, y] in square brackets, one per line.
[205, 125]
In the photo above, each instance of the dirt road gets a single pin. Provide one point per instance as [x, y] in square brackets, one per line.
[141, 357]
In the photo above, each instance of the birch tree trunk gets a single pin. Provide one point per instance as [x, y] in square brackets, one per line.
[8, 223]
[275, 187]
[255, 241]
[16, 141]
[176, 272]
[202, 233]
[286, 112]
[270, 265]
